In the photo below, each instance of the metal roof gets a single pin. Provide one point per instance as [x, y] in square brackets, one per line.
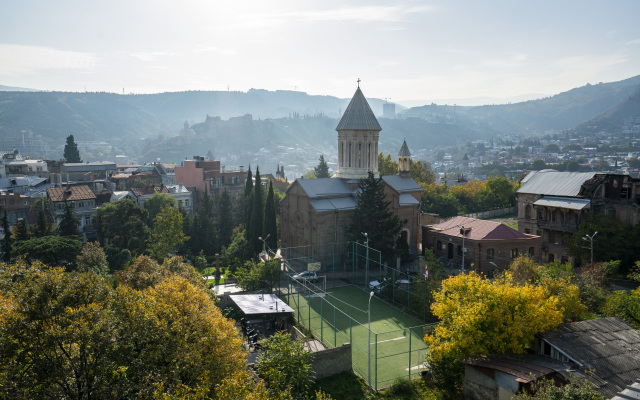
[324, 187]
[406, 199]
[404, 150]
[401, 184]
[334, 204]
[358, 115]
[252, 304]
[92, 166]
[554, 183]
[608, 346]
[563, 202]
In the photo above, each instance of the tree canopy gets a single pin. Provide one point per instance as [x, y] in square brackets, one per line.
[167, 233]
[69, 222]
[322, 169]
[71, 152]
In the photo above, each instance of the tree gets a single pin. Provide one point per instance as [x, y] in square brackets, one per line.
[238, 251]
[92, 259]
[538, 165]
[421, 173]
[285, 365]
[7, 240]
[203, 227]
[481, 317]
[68, 225]
[167, 233]
[71, 153]
[269, 228]
[322, 169]
[374, 217]
[256, 215]
[122, 224]
[156, 203]
[551, 148]
[387, 166]
[576, 389]
[42, 223]
[74, 336]
[51, 249]
[23, 231]
[248, 185]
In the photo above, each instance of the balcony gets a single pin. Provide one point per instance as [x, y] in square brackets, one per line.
[558, 226]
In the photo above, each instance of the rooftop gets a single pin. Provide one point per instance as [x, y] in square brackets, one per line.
[479, 229]
[70, 193]
[554, 183]
[324, 187]
[358, 115]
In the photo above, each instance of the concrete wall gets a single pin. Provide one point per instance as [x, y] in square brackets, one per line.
[331, 361]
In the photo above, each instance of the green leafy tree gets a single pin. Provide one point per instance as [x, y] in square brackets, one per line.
[7, 240]
[270, 228]
[576, 389]
[374, 217]
[421, 173]
[322, 169]
[167, 233]
[249, 276]
[538, 165]
[51, 249]
[257, 215]
[156, 203]
[238, 252]
[23, 231]
[71, 153]
[68, 225]
[551, 148]
[42, 223]
[92, 259]
[225, 219]
[285, 366]
[122, 224]
[386, 165]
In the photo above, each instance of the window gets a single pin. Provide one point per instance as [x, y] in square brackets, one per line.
[439, 246]
[527, 230]
[490, 254]
[87, 220]
[459, 250]
[186, 203]
[513, 253]
[527, 212]
[531, 251]
[551, 258]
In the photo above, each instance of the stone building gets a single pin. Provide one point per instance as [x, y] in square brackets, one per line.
[552, 204]
[318, 211]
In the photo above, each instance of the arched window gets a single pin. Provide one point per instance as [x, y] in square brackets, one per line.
[349, 155]
[527, 212]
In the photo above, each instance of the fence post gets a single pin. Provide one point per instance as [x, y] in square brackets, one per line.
[409, 353]
[298, 292]
[376, 364]
[321, 320]
[309, 305]
[355, 262]
[333, 257]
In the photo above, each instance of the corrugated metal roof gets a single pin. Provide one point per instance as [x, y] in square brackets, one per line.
[563, 202]
[478, 229]
[358, 115]
[335, 204]
[401, 184]
[406, 199]
[324, 187]
[404, 150]
[609, 346]
[524, 371]
[554, 183]
[93, 166]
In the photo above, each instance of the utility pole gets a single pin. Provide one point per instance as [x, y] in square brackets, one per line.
[464, 250]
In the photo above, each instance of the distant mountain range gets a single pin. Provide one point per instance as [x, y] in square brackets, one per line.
[126, 120]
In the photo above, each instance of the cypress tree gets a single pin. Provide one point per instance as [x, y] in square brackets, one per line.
[6, 242]
[42, 223]
[248, 190]
[68, 222]
[248, 186]
[269, 227]
[23, 232]
[71, 152]
[256, 214]
[322, 169]
[225, 219]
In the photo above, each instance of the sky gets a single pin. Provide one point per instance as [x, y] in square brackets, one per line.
[401, 50]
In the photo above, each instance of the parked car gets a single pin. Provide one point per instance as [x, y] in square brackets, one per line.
[306, 276]
[377, 286]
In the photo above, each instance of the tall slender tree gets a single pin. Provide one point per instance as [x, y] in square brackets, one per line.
[42, 223]
[374, 217]
[6, 242]
[322, 169]
[225, 220]
[68, 225]
[269, 227]
[248, 185]
[23, 233]
[71, 152]
[257, 214]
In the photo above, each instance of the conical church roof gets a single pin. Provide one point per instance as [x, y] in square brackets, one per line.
[404, 150]
[358, 115]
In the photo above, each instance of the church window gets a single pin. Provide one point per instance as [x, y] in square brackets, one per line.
[359, 155]
[349, 155]
[369, 157]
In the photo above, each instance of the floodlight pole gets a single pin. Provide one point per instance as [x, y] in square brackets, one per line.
[369, 343]
[367, 244]
[589, 238]
[464, 234]
[264, 243]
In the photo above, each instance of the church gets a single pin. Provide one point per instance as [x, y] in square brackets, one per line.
[318, 211]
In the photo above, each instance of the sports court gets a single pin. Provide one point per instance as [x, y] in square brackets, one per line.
[339, 316]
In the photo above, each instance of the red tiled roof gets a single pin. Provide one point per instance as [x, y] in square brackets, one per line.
[70, 193]
[149, 190]
[479, 229]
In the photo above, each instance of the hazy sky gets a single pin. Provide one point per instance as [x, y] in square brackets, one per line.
[401, 50]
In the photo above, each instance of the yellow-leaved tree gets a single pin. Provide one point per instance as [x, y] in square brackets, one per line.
[483, 317]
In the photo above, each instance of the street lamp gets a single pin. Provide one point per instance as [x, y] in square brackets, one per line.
[369, 315]
[590, 239]
[264, 243]
[464, 234]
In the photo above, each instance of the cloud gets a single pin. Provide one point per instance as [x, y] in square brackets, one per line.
[20, 59]
[151, 56]
[513, 61]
